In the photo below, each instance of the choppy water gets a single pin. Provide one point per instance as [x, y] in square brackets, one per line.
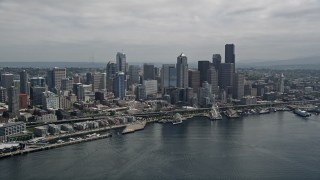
[273, 146]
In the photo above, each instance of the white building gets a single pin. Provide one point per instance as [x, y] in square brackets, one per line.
[50, 100]
[151, 86]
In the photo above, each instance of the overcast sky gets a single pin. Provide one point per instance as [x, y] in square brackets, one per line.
[157, 30]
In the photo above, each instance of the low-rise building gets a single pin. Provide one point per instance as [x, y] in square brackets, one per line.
[11, 129]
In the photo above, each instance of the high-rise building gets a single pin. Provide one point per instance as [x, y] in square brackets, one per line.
[78, 90]
[226, 75]
[121, 62]
[54, 77]
[111, 71]
[119, 85]
[205, 94]
[216, 61]
[13, 100]
[36, 95]
[88, 78]
[168, 76]
[37, 81]
[213, 80]
[66, 84]
[148, 72]
[24, 82]
[194, 80]
[3, 94]
[49, 79]
[281, 85]
[157, 72]
[203, 67]
[134, 77]
[140, 92]
[99, 81]
[6, 80]
[229, 53]
[182, 71]
[151, 86]
[23, 101]
[50, 100]
[238, 86]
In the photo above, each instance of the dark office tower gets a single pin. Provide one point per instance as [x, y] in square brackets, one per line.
[134, 77]
[111, 71]
[13, 100]
[229, 53]
[6, 80]
[238, 86]
[182, 71]
[148, 72]
[216, 61]
[194, 80]
[37, 81]
[226, 75]
[3, 94]
[24, 82]
[203, 67]
[50, 79]
[213, 80]
[121, 62]
[88, 78]
[157, 72]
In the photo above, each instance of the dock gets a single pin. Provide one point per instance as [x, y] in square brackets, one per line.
[52, 146]
[137, 126]
[78, 133]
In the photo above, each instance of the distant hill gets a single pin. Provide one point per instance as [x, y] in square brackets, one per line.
[297, 63]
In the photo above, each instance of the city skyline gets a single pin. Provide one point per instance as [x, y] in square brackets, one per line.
[157, 31]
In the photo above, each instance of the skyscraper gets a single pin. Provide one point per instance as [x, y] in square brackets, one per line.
[13, 100]
[78, 90]
[216, 61]
[281, 85]
[121, 62]
[88, 78]
[119, 85]
[6, 80]
[111, 71]
[238, 86]
[134, 77]
[229, 53]
[24, 82]
[213, 80]
[226, 75]
[66, 84]
[182, 71]
[3, 94]
[203, 67]
[98, 81]
[194, 80]
[36, 95]
[148, 72]
[54, 77]
[168, 76]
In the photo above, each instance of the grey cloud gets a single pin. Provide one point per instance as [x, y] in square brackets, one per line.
[156, 30]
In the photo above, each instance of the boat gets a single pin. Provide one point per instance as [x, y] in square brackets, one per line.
[230, 113]
[60, 141]
[301, 113]
[214, 113]
[177, 119]
[263, 111]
